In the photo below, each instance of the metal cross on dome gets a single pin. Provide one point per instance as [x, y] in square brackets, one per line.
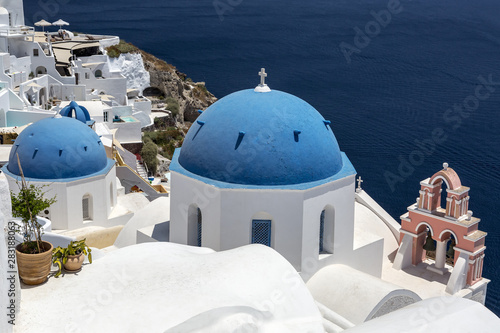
[359, 180]
[263, 76]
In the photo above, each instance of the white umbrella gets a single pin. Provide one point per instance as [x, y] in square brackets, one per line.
[106, 98]
[60, 23]
[34, 85]
[43, 24]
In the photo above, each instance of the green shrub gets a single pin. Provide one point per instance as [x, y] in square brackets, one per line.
[26, 204]
[148, 137]
[114, 51]
[169, 149]
[172, 105]
[202, 88]
[148, 153]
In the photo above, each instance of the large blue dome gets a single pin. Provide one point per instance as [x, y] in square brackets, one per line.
[57, 148]
[261, 138]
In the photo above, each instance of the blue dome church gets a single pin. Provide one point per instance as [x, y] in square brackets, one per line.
[67, 156]
[263, 166]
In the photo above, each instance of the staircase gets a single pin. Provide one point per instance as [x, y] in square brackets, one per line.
[141, 170]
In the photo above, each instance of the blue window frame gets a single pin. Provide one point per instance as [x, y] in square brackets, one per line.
[199, 228]
[261, 232]
[321, 230]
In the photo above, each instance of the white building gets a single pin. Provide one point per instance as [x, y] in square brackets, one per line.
[262, 166]
[69, 158]
[40, 70]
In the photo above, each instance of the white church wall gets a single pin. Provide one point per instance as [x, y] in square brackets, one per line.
[111, 190]
[98, 188]
[67, 211]
[227, 216]
[339, 195]
[57, 213]
[192, 192]
[337, 199]
[211, 228]
[367, 259]
[283, 207]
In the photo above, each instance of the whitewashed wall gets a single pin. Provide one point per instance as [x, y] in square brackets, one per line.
[227, 216]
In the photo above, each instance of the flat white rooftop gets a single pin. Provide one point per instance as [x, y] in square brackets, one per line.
[4, 153]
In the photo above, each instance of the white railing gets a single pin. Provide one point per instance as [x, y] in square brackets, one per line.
[20, 30]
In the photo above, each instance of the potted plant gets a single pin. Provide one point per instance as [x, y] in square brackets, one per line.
[72, 256]
[33, 254]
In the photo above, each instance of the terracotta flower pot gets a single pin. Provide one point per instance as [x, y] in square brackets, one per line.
[75, 262]
[34, 268]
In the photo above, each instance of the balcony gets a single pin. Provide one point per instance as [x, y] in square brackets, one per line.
[17, 31]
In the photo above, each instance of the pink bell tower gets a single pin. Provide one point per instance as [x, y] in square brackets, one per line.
[427, 218]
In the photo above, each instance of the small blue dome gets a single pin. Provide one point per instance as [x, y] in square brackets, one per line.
[57, 148]
[81, 113]
[255, 138]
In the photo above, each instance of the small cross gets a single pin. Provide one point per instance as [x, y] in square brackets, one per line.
[263, 76]
[445, 166]
[359, 183]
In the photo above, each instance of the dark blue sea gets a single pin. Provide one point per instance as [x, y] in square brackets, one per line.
[405, 79]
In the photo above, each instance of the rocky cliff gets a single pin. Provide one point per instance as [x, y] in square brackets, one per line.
[192, 96]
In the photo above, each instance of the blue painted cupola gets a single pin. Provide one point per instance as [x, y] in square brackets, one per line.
[58, 148]
[261, 137]
[79, 111]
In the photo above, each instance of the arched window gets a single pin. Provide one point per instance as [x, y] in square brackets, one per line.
[98, 73]
[261, 232]
[87, 207]
[195, 222]
[198, 228]
[321, 230]
[40, 70]
[326, 230]
[111, 202]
